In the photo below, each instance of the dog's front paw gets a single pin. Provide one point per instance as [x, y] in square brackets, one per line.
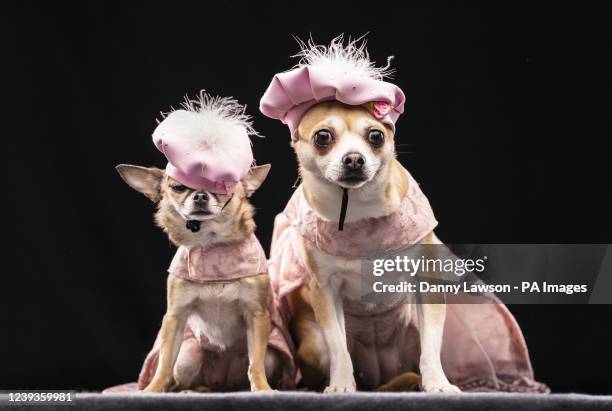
[261, 388]
[334, 389]
[259, 382]
[442, 386]
[155, 387]
[268, 390]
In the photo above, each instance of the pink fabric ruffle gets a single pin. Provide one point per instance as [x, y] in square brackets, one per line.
[220, 262]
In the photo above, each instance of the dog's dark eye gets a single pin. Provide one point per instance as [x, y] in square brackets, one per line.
[179, 188]
[376, 138]
[323, 138]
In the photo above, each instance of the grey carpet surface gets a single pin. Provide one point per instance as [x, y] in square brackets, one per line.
[297, 401]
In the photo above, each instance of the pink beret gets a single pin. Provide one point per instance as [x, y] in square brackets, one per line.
[292, 93]
[207, 149]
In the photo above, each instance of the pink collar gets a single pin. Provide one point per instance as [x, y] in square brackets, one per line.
[220, 262]
[408, 225]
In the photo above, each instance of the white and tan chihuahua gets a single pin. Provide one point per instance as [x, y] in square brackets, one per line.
[243, 303]
[216, 333]
[343, 145]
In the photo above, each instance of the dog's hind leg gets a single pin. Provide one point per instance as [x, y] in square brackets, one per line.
[312, 357]
[272, 367]
[188, 365]
[406, 382]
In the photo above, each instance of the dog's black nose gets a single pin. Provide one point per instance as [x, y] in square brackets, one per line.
[353, 161]
[200, 197]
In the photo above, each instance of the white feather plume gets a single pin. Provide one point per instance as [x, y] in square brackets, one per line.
[216, 110]
[340, 58]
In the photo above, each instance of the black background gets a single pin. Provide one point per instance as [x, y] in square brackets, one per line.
[506, 125]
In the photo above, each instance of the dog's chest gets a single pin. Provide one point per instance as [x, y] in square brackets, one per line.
[216, 313]
[344, 275]
[348, 278]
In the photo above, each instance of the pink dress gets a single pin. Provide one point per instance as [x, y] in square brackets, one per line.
[483, 348]
[222, 369]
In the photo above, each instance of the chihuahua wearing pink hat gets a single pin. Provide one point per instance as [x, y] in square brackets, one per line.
[220, 331]
[354, 193]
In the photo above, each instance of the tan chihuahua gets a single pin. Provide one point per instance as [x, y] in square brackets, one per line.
[223, 314]
[346, 146]
[354, 193]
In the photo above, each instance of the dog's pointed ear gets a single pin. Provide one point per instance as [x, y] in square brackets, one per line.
[146, 180]
[255, 178]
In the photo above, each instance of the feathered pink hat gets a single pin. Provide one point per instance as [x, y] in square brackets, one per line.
[335, 72]
[207, 143]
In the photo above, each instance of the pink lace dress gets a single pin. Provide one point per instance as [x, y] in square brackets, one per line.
[483, 347]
